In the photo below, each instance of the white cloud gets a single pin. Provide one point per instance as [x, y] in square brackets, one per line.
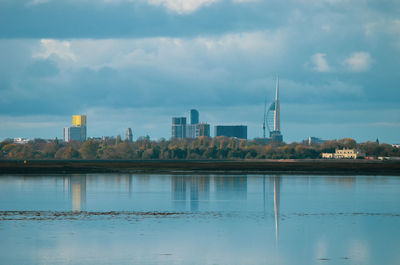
[171, 53]
[50, 47]
[358, 62]
[320, 64]
[182, 6]
[179, 6]
[244, 1]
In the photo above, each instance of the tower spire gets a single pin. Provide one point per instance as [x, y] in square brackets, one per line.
[277, 126]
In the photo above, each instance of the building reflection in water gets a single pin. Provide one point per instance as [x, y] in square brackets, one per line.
[190, 191]
[77, 191]
[231, 188]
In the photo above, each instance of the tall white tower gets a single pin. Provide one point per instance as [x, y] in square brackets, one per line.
[277, 122]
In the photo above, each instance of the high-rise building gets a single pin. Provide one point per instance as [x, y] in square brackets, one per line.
[202, 129]
[129, 135]
[78, 130]
[193, 130]
[178, 127]
[197, 130]
[238, 131]
[78, 120]
[73, 134]
[194, 116]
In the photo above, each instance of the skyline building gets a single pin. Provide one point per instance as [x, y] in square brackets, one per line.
[129, 135]
[202, 129]
[237, 131]
[193, 130]
[78, 130]
[194, 116]
[178, 127]
[78, 120]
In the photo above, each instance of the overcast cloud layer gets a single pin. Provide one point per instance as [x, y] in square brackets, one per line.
[137, 63]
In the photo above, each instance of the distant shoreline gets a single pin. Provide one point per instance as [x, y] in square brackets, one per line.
[289, 166]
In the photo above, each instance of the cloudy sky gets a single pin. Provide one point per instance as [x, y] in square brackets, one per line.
[137, 63]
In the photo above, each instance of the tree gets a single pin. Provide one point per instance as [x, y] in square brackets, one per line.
[67, 152]
[88, 149]
[49, 150]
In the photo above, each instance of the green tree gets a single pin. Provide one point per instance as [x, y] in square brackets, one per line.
[89, 149]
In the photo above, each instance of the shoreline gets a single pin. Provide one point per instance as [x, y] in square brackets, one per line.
[289, 166]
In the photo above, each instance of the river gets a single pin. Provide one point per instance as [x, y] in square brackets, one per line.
[199, 219]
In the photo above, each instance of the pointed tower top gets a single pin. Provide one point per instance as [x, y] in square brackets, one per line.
[277, 88]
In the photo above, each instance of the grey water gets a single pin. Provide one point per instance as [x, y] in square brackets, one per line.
[199, 219]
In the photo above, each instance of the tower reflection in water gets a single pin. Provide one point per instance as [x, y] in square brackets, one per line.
[274, 189]
[277, 181]
[76, 186]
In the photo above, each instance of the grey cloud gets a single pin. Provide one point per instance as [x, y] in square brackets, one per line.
[42, 68]
[90, 19]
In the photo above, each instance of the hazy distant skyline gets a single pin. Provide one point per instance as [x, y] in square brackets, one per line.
[138, 63]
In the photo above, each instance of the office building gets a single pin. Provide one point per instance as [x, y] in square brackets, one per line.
[178, 127]
[78, 130]
[237, 131]
[193, 130]
[197, 130]
[129, 135]
[202, 129]
[194, 116]
[74, 134]
[78, 120]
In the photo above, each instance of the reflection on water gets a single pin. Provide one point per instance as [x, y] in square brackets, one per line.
[216, 219]
[78, 192]
[75, 187]
[277, 181]
[195, 189]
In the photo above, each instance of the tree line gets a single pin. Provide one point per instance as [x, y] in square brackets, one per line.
[201, 148]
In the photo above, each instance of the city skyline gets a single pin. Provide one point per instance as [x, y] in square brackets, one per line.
[337, 62]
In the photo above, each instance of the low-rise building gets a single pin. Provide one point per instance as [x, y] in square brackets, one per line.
[21, 140]
[344, 154]
[314, 140]
[237, 131]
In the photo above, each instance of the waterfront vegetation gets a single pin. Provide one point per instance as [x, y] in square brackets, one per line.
[202, 148]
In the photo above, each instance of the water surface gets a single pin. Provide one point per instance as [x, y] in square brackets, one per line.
[199, 219]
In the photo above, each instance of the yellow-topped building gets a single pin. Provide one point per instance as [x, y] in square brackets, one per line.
[78, 120]
[78, 130]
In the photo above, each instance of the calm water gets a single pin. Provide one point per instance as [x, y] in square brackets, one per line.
[199, 219]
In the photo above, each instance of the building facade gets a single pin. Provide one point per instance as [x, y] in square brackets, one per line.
[197, 130]
[314, 140]
[178, 127]
[202, 129]
[78, 131]
[237, 131]
[344, 154]
[194, 116]
[74, 134]
[129, 135]
[78, 120]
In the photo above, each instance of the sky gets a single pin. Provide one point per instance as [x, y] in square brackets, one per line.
[138, 63]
